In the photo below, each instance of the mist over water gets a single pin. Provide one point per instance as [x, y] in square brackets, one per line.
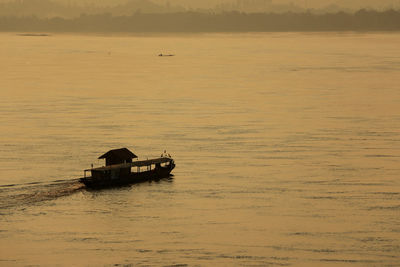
[286, 145]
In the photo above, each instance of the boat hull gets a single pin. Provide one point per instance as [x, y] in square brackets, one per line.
[132, 178]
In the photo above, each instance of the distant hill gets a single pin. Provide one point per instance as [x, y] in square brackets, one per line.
[49, 8]
[74, 8]
[363, 20]
[143, 6]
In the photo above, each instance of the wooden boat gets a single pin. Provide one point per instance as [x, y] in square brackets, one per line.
[120, 169]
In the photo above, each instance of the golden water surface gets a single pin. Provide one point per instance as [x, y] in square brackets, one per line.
[287, 148]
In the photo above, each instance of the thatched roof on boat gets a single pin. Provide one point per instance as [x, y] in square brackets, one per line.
[121, 153]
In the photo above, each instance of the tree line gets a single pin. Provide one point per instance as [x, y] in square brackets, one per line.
[363, 20]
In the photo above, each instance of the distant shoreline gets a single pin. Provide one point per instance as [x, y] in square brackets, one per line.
[195, 22]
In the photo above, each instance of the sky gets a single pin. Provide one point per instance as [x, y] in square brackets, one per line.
[353, 4]
[304, 3]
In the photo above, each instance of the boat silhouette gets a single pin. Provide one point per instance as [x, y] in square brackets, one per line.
[121, 169]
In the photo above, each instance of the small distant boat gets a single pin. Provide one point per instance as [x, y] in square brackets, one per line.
[121, 169]
[34, 34]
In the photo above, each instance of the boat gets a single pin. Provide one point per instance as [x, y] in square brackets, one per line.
[122, 167]
[33, 34]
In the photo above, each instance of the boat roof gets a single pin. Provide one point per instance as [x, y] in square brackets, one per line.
[138, 163]
[122, 153]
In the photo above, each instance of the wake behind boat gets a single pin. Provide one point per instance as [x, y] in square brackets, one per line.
[121, 169]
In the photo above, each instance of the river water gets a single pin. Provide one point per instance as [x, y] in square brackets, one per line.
[287, 148]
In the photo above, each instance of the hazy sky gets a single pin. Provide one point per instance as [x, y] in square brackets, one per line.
[212, 3]
[304, 3]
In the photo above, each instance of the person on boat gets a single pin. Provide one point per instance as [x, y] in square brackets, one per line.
[165, 154]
